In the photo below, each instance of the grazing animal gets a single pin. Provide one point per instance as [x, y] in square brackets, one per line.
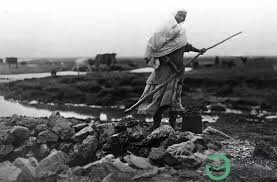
[107, 59]
[228, 64]
[243, 59]
[80, 63]
[12, 60]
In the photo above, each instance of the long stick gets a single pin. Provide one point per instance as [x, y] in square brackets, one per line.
[173, 76]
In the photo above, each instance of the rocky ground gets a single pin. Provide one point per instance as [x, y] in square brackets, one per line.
[65, 150]
[69, 150]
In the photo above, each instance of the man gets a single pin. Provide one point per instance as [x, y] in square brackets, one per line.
[165, 50]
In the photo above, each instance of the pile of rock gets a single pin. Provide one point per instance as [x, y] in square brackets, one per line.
[67, 150]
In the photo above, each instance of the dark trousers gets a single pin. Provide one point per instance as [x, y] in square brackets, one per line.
[159, 114]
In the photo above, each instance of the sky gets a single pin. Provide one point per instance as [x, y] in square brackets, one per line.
[84, 28]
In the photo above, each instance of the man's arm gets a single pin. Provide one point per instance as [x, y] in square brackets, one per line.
[189, 48]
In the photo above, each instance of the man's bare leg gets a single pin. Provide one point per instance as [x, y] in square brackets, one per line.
[172, 119]
[158, 117]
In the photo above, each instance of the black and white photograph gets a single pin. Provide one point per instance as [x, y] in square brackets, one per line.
[138, 91]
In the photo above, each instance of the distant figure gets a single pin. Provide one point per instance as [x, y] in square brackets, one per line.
[80, 63]
[217, 61]
[1, 60]
[107, 59]
[62, 66]
[53, 72]
[12, 60]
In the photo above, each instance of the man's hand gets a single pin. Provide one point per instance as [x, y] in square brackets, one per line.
[202, 51]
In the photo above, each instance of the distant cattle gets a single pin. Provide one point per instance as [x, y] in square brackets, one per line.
[228, 64]
[107, 59]
[81, 63]
[243, 59]
[1, 60]
[12, 60]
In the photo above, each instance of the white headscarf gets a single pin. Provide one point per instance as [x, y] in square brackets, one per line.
[168, 37]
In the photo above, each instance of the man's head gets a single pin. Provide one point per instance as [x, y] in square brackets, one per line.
[180, 16]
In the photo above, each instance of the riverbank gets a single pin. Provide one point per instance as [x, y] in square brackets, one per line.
[106, 88]
[249, 87]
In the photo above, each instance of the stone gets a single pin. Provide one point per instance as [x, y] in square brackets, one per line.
[52, 165]
[138, 162]
[116, 144]
[184, 136]
[80, 126]
[88, 147]
[75, 159]
[61, 126]
[6, 137]
[27, 166]
[99, 153]
[159, 135]
[46, 137]
[28, 122]
[105, 130]
[95, 172]
[20, 133]
[44, 150]
[40, 128]
[10, 173]
[189, 174]
[159, 156]
[29, 142]
[85, 152]
[115, 177]
[19, 152]
[189, 162]
[94, 123]
[5, 150]
[214, 132]
[171, 140]
[82, 134]
[184, 148]
[23, 149]
[137, 132]
[148, 174]
[123, 167]
[197, 143]
[107, 159]
[265, 149]
[66, 147]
